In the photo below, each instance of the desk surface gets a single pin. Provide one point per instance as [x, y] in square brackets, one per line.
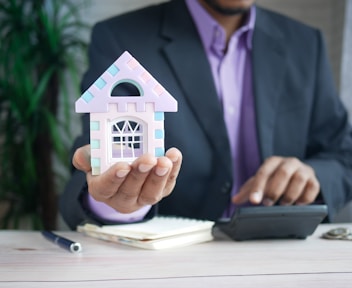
[29, 260]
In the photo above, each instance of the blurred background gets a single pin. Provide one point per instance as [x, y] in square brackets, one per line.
[30, 202]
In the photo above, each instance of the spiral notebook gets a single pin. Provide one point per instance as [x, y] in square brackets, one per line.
[161, 232]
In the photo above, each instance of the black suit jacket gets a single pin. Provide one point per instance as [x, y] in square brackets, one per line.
[298, 111]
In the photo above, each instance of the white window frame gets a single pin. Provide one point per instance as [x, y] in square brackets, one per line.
[125, 139]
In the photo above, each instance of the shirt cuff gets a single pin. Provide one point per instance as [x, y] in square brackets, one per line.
[105, 212]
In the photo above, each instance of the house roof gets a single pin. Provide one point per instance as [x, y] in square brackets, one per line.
[125, 69]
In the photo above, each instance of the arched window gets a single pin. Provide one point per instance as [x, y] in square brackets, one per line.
[127, 87]
[127, 139]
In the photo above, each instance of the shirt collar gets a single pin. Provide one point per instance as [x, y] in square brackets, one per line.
[212, 34]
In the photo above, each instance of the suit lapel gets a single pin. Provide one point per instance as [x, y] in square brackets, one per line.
[268, 52]
[189, 61]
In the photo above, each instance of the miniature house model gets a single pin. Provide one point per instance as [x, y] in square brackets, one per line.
[123, 128]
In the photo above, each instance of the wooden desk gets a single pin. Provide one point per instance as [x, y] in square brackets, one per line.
[29, 260]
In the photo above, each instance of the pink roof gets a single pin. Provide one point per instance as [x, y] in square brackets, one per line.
[125, 69]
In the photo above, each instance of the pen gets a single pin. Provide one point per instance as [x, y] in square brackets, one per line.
[67, 244]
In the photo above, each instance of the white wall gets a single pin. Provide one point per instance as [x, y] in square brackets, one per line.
[326, 15]
[346, 66]
[101, 9]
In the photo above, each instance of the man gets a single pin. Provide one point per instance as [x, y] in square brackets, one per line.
[259, 121]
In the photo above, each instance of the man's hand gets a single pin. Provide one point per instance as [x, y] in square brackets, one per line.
[286, 180]
[127, 188]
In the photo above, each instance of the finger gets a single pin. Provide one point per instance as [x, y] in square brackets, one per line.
[244, 193]
[262, 177]
[153, 188]
[295, 187]
[176, 157]
[254, 189]
[310, 193]
[104, 186]
[280, 179]
[125, 200]
[81, 159]
[161, 183]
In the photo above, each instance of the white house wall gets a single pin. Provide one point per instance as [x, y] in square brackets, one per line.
[100, 135]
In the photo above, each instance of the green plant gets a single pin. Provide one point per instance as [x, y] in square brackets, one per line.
[39, 60]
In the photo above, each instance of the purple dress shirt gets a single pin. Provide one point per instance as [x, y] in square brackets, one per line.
[232, 73]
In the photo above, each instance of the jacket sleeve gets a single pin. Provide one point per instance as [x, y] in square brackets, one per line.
[330, 138]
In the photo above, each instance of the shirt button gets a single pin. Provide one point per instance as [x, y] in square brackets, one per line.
[230, 110]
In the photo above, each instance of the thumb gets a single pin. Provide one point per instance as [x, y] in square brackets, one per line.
[252, 191]
[81, 159]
